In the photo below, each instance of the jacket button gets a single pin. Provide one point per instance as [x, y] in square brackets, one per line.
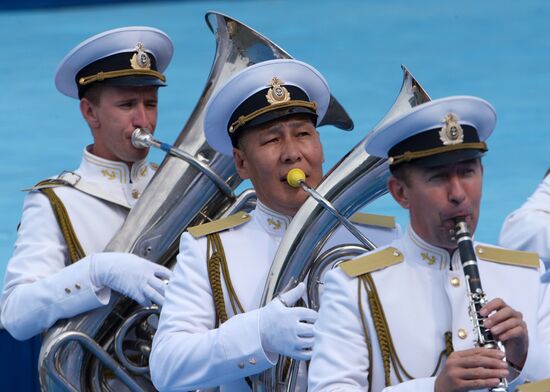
[462, 334]
[135, 194]
[68, 290]
[241, 365]
[455, 282]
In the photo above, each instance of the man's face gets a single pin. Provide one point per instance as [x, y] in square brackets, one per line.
[119, 111]
[268, 152]
[436, 196]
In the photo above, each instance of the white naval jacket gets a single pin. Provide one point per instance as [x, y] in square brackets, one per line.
[528, 227]
[40, 286]
[422, 298]
[188, 351]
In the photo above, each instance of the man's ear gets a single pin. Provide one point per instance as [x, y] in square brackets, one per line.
[398, 190]
[241, 163]
[89, 113]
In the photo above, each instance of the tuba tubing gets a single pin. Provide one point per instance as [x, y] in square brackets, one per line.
[179, 195]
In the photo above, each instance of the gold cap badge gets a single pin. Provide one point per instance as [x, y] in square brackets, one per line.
[277, 93]
[451, 132]
[140, 59]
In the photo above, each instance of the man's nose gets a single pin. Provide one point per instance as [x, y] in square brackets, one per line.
[140, 116]
[291, 152]
[457, 194]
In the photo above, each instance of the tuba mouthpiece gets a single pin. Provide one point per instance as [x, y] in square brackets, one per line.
[141, 138]
[295, 177]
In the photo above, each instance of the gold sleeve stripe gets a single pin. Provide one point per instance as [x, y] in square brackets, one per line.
[507, 256]
[372, 262]
[363, 218]
[219, 225]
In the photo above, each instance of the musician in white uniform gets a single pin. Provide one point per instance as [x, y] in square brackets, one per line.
[396, 319]
[57, 269]
[528, 227]
[211, 331]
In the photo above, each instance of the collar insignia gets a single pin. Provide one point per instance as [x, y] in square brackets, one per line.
[110, 174]
[430, 260]
[277, 93]
[276, 223]
[451, 132]
[140, 59]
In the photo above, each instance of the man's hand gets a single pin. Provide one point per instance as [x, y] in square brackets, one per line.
[286, 330]
[507, 325]
[475, 368]
[133, 276]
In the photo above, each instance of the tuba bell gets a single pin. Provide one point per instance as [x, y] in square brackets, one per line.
[108, 348]
[356, 180]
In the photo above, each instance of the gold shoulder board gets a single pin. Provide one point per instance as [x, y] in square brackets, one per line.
[363, 218]
[507, 256]
[539, 386]
[49, 183]
[372, 262]
[219, 225]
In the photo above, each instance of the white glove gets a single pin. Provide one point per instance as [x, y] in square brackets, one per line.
[137, 278]
[286, 330]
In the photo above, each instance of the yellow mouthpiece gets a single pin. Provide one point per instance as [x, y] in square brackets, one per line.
[295, 177]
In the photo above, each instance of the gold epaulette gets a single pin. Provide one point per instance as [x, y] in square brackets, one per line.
[372, 261]
[363, 218]
[539, 386]
[49, 183]
[507, 256]
[219, 225]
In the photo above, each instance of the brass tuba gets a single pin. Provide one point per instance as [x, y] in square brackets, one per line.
[107, 348]
[351, 184]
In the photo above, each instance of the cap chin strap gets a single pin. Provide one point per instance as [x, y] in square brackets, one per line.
[242, 120]
[411, 155]
[101, 76]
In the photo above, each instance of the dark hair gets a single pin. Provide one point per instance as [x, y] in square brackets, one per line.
[401, 172]
[93, 94]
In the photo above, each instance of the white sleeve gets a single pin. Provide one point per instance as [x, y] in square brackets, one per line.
[537, 365]
[340, 358]
[188, 351]
[38, 288]
[528, 228]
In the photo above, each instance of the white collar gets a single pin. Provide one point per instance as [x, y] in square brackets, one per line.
[271, 221]
[94, 167]
[426, 255]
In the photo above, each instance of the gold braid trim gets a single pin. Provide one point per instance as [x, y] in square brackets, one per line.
[73, 245]
[242, 120]
[410, 155]
[390, 359]
[217, 266]
[368, 340]
[101, 76]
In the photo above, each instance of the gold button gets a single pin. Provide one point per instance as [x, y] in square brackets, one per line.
[77, 286]
[241, 365]
[252, 361]
[395, 253]
[68, 290]
[462, 334]
[455, 282]
[480, 250]
[135, 193]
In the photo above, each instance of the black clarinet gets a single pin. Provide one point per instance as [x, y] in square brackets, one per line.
[476, 296]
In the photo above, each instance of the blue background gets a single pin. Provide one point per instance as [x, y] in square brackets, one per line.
[495, 49]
